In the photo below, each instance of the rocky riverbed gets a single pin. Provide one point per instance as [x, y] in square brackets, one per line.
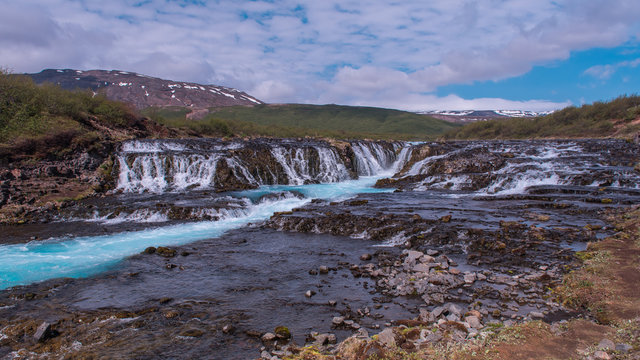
[475, 237]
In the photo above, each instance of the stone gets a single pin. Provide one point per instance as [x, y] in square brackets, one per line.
[606, 344]
[470, 278]
[387, 338]
[454, 309]
[282, 332]
[268, 337]
[228, 329]
[253, 333]
[338, 320]
[473, 322]
[421, 268]
[166, 252]
[446, 218]
[412, 256]
[149, 250]
[433, 252]
[475, 313]
[601, 355]
[425, 315]
[624, 348]
[437, 311]
[192, 333]
[323, 269]
[171, 314]
[481, 277]
[536, 315]
[332, 303]
[365, 257]
[44, 332]
[309, 293]
[454, 271]
[426, 259]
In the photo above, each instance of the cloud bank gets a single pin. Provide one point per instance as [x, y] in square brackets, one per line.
[383, 53]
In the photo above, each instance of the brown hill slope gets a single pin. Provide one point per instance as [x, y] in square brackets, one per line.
[143, 91]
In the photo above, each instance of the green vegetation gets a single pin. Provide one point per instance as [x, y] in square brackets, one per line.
[294, 120]
[615, 118]
[40, 119]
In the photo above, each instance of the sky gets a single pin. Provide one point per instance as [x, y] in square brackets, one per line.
[411, 55]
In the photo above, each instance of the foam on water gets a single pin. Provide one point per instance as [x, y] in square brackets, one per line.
[85, 256]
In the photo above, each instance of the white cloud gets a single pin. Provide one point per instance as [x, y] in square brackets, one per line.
[604, 72]
[381, 52]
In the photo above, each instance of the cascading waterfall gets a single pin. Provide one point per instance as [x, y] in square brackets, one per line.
[173, 166]
[312, 171]
[372, 158]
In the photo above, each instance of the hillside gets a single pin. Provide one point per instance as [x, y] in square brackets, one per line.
[619, 117]
[143, 91]
[289, 120]
[467, 116]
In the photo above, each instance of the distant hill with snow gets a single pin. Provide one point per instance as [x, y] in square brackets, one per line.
[465, 116]
[144, 91]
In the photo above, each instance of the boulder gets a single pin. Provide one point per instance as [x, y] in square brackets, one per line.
[44, 332]
[387, 338]
[166, 252]
[473, 322]
[282, 332]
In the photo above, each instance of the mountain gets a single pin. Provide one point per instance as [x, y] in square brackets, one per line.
[619, 117]
[143, 91]
[465, 116]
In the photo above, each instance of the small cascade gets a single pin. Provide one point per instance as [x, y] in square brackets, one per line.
[372, 158]
[508, 168]
[307, 165]
[403, 157]
[157, 172]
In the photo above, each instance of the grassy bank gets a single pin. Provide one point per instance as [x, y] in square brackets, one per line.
[296, 120]
[45, 121]
[619, 117]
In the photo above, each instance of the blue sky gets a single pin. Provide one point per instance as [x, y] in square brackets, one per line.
[413, 55]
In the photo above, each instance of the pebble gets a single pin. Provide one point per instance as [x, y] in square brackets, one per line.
[309, 293]
[268, 337]
[338, 320]
[323, 269]
[228, 329]
[365, 257]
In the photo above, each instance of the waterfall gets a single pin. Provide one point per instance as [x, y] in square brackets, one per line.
[372, 158]
[157, 172]
[178, 165]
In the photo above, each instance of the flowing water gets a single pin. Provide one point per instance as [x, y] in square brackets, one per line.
[176, 193]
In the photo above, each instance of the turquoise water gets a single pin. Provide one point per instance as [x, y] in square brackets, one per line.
[36, 261]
